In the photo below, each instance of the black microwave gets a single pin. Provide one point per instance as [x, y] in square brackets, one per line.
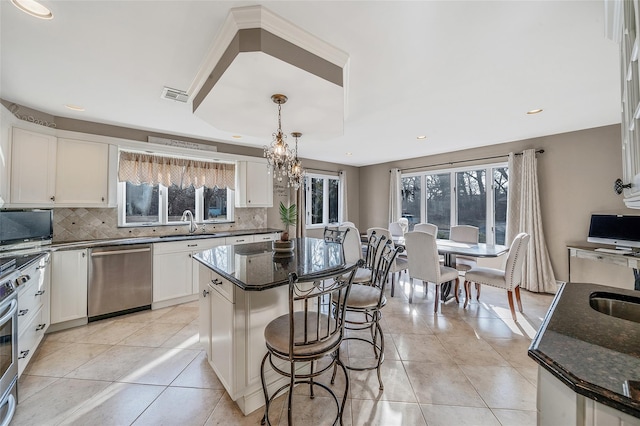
[25, 226]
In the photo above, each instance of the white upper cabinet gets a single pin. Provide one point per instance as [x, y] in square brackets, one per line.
[254, 185]
[33, 168]
[82, 173]
[47, 171]
[623, 20]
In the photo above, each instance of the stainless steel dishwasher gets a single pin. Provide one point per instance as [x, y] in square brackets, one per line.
[120, 280]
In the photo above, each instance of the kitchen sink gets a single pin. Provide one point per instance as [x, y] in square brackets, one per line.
[616, 305]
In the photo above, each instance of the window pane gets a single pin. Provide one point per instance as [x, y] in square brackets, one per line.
[179, 200]
[472, 200]
[333, 200]
[316, 200]
[500, 191]
[215, 203]
[439, 202]
[141, 203]
[411, 200]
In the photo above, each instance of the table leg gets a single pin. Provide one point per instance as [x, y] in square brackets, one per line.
[450, 261]
[636, 275]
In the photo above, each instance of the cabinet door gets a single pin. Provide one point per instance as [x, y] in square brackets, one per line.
[254, 186]
[222, 329]
[68, 285]
[204, 304]
[172, 276]
[33, 168]
[82, 173]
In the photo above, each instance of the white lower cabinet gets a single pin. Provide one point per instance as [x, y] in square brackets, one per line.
[175, 274]
[68, 285]
[560, 405]
[232, 327]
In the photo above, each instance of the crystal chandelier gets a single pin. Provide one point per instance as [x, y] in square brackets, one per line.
[278, 154]
[295, 171]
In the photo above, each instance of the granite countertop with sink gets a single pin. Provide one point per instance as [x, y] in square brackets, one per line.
[595, 354]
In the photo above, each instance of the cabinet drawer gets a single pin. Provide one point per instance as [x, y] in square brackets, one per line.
[178, 246]
[266, 237]
[30, 296]
[29, 339]
[602, 257]
[223, 286]
[242, 239]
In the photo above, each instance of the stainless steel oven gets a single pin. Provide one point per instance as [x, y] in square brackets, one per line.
[8, 347]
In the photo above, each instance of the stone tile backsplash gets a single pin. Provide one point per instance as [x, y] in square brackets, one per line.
[82, 224]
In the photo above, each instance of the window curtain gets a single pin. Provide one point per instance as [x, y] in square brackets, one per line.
[523, 215]
[395, 198]
[342, 176]
[139, 168]
[301, 223]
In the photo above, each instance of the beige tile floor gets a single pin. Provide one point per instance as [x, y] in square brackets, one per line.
[462, 367]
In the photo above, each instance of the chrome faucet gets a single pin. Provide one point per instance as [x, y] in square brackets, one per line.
[187, 215]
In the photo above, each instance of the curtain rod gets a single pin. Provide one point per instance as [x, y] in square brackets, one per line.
[450, 163]
[311, 169]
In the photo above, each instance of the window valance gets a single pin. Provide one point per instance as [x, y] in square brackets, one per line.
[152, 169]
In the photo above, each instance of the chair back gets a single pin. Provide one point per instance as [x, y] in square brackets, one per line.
[351, 244]
[316, 319]
[465, 234]
[515, 259]
[422, 255]
[335, 235]
[371, 254]
[429, 228]
[387, 258]
[347, 223]
[396, 229]
[381, 232]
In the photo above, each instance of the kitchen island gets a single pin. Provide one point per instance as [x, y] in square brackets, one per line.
[243, 288]
[589, 361]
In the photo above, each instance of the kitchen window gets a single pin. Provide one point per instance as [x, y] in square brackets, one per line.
[156, 190]
[323, 200]
[464, 196]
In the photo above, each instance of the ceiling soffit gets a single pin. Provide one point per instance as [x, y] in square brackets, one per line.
[257, 53]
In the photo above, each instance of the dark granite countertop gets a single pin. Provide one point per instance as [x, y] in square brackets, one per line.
[159, 239]
[256, 266]
[591, 352]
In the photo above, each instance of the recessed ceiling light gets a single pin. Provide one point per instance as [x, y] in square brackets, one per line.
[236, 136]
[421, 137]
[74, 107]
[349, 154]
[33, 8]
[534, 111]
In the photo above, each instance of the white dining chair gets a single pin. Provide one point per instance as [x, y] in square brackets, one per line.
[509, 279]
[404, 224]
[353, 252]
[424, 263]
[347, 223]
[426, 227]
[464, 234]
[396, 229]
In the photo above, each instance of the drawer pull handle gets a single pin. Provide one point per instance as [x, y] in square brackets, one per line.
[23, 354]
[22, 312]
[216, 281]
[40, 327]
[239, 241]
[192, 245]
[205, 292]
[40, 293]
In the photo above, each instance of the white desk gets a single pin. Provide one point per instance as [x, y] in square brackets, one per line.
[619, 259]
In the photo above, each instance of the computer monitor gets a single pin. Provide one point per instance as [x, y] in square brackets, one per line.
[622, 231]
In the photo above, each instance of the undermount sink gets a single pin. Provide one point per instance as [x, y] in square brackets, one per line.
[616, 305]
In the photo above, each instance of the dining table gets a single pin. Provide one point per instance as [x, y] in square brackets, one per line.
[450, 249]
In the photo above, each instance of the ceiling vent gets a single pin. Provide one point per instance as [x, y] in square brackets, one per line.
[174, 94]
